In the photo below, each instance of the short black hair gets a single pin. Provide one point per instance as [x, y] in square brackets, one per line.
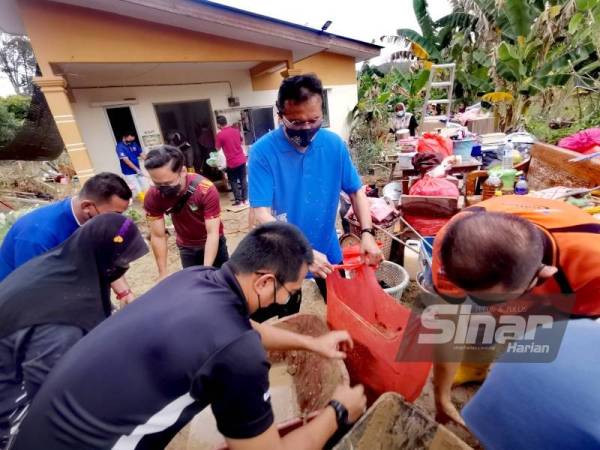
[165, 154]
[485, 249]
[222, 120]
[175, 138]
[100, 188]
[127, 133]
[298, 89]
[277, 247]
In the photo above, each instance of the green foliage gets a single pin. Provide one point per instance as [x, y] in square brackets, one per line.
[519, 14]
[9, 126]
[377, 96]
[17, 105]
[134, 214]
[584, 112]
[13, 111]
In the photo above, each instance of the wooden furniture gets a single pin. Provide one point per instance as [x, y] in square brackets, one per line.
[549, 166]
[430, 206]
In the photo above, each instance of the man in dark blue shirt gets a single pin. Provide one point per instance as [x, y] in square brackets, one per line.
[46, 227]
[141, 375]
[129, 153]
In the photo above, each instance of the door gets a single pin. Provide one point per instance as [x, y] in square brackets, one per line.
[193, 121]
[257, 122]
[121, 122]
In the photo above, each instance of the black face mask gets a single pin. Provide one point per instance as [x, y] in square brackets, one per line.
[302, 138]
[169, 191]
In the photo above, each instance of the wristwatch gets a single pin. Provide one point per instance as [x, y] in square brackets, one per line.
[368, 230]
[341, 414]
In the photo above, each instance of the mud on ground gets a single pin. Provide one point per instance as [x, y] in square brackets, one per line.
[142, 276]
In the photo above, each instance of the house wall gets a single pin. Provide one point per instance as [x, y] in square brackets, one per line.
[62, 33]
[332, 69]
[90, 104]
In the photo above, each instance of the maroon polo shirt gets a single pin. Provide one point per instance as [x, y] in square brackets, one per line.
[189, 222]
[230, 140]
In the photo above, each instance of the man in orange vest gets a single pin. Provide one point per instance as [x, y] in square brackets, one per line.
[504, 248]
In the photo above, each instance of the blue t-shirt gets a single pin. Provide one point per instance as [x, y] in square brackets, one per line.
[36, 233]
[554, 405]
[131, 151]
[303, 188]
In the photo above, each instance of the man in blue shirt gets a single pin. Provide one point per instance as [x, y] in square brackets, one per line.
[129, 153]
[297, 172]
[536, 405]
[46, 227]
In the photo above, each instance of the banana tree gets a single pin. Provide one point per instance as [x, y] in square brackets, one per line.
[434, 36]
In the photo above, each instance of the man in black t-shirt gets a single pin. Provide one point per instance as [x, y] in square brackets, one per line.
[140, 376]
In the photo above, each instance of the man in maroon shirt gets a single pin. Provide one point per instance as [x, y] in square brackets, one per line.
[195, 215]
[230, 140]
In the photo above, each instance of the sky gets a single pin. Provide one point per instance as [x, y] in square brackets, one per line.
[364, 20]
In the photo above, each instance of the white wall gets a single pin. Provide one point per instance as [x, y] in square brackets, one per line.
[98, 136]
[342, 100]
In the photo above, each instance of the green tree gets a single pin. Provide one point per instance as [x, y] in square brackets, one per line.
[13, 110]
[434, 36]
[17, 62]
[378, 93]
[529, 47]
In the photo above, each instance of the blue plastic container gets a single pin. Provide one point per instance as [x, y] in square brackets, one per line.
[463, 147]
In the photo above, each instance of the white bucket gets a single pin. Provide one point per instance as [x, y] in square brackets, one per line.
[411, 258]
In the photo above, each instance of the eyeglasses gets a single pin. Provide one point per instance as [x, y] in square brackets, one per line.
[301, 124]
[278, 281]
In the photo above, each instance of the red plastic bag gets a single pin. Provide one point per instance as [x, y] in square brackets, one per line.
[426, 225]
[431, 142]
[434, 187]
[377, 324]
[584, 142]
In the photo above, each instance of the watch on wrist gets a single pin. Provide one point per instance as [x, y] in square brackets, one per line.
[341, 414]
[367, 230]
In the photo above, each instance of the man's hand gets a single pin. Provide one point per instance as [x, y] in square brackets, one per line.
[446, 412]
[332, 345]
[353, 398]
[320, 266]
[371, 252]
[127, 299]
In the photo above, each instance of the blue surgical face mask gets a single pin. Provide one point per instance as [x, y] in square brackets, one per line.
[303, 137]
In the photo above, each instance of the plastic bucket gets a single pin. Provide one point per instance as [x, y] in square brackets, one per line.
[463, 147]
[394, 276]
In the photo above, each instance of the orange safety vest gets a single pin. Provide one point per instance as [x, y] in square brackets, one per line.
[575, 238]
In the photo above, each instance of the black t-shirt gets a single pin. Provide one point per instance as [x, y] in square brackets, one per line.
[142, 374]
